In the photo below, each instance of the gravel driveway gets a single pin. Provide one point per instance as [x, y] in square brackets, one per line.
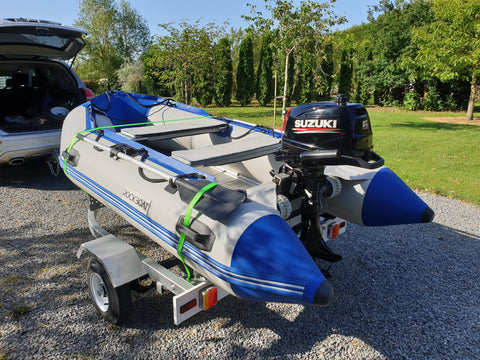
[402, 292]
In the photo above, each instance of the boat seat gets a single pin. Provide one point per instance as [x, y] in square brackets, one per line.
[221, 154]
[169, 130]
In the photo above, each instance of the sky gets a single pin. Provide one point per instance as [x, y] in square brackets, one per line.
[165, 11]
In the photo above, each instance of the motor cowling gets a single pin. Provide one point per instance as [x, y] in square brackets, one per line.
[329, 133]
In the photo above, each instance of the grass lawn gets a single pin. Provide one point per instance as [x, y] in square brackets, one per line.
[439, 158]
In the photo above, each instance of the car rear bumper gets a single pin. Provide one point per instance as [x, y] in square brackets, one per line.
[17, 148]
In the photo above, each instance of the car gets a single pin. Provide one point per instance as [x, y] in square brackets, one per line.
[38, 88]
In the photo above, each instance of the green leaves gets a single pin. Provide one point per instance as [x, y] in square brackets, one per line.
[118, 35]
[449, 46]
[295, 28]
[245, 72]
[183, 63]
[223, 73]
[264, 82]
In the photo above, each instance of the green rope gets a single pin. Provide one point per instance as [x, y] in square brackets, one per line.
[186, 222]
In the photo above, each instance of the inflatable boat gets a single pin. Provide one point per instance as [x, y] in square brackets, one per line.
[246, 208]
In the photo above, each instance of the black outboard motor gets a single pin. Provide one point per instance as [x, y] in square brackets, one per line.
[316, 135]
[331, 133]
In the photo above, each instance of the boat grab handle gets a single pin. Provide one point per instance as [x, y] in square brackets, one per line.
[133, 152]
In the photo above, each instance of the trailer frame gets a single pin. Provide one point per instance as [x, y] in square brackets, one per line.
[124, 265]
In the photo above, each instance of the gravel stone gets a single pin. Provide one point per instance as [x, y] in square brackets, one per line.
[402, 292]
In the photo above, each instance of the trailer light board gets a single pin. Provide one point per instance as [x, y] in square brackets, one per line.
[336, 229]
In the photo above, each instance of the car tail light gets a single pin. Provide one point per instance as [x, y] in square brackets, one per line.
[89, 95]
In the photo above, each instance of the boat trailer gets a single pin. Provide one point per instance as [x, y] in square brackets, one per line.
[116, 267]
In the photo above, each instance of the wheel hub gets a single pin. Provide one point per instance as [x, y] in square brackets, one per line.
[99, 292]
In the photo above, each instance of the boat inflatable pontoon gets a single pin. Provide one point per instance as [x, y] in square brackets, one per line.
[247, 208]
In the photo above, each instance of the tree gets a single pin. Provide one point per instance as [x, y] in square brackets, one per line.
[450, 44]
[157, 71]
[324, 74]
[182, 61]
[99, 59]
[130, 77]
[386, 40]
[235, 36]
[245, 72]
[117, 35]
[224, 73]
[203, 88]
[345, 75]
[131, 33]
[265, 83]
[378, 49]
[294, 27]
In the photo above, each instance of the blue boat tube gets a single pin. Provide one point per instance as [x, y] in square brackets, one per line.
[270, 250]
[376, 198]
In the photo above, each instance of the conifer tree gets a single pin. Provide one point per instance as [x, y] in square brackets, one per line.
[265, 83]
[325, 73]
[245, 72]
[345, 76]
[224, 73]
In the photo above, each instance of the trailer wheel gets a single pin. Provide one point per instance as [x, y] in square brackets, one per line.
[113, 304]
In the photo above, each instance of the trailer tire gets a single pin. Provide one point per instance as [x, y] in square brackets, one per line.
[113, 304]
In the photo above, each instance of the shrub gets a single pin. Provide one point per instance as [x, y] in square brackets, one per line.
[432, 101]
[412, 101]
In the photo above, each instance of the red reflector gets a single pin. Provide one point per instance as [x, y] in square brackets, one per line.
[190, 305]
[210, 298]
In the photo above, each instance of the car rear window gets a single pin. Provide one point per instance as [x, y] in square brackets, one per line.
[50, 41]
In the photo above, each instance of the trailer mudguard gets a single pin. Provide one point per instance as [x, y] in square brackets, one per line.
[120, 260]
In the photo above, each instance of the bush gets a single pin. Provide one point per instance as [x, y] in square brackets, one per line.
[130, 77]
[412, 101]
[432, 101]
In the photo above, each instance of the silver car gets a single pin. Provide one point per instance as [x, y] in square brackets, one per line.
[37, 87]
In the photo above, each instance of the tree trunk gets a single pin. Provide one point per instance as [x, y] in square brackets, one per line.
[285, 86]
[187, 91]
[473, 93]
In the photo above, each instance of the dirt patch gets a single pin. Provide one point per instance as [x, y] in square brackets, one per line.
[454, 120]
[442, 119]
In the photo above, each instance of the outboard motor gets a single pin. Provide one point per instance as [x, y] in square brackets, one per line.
[329, 134]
